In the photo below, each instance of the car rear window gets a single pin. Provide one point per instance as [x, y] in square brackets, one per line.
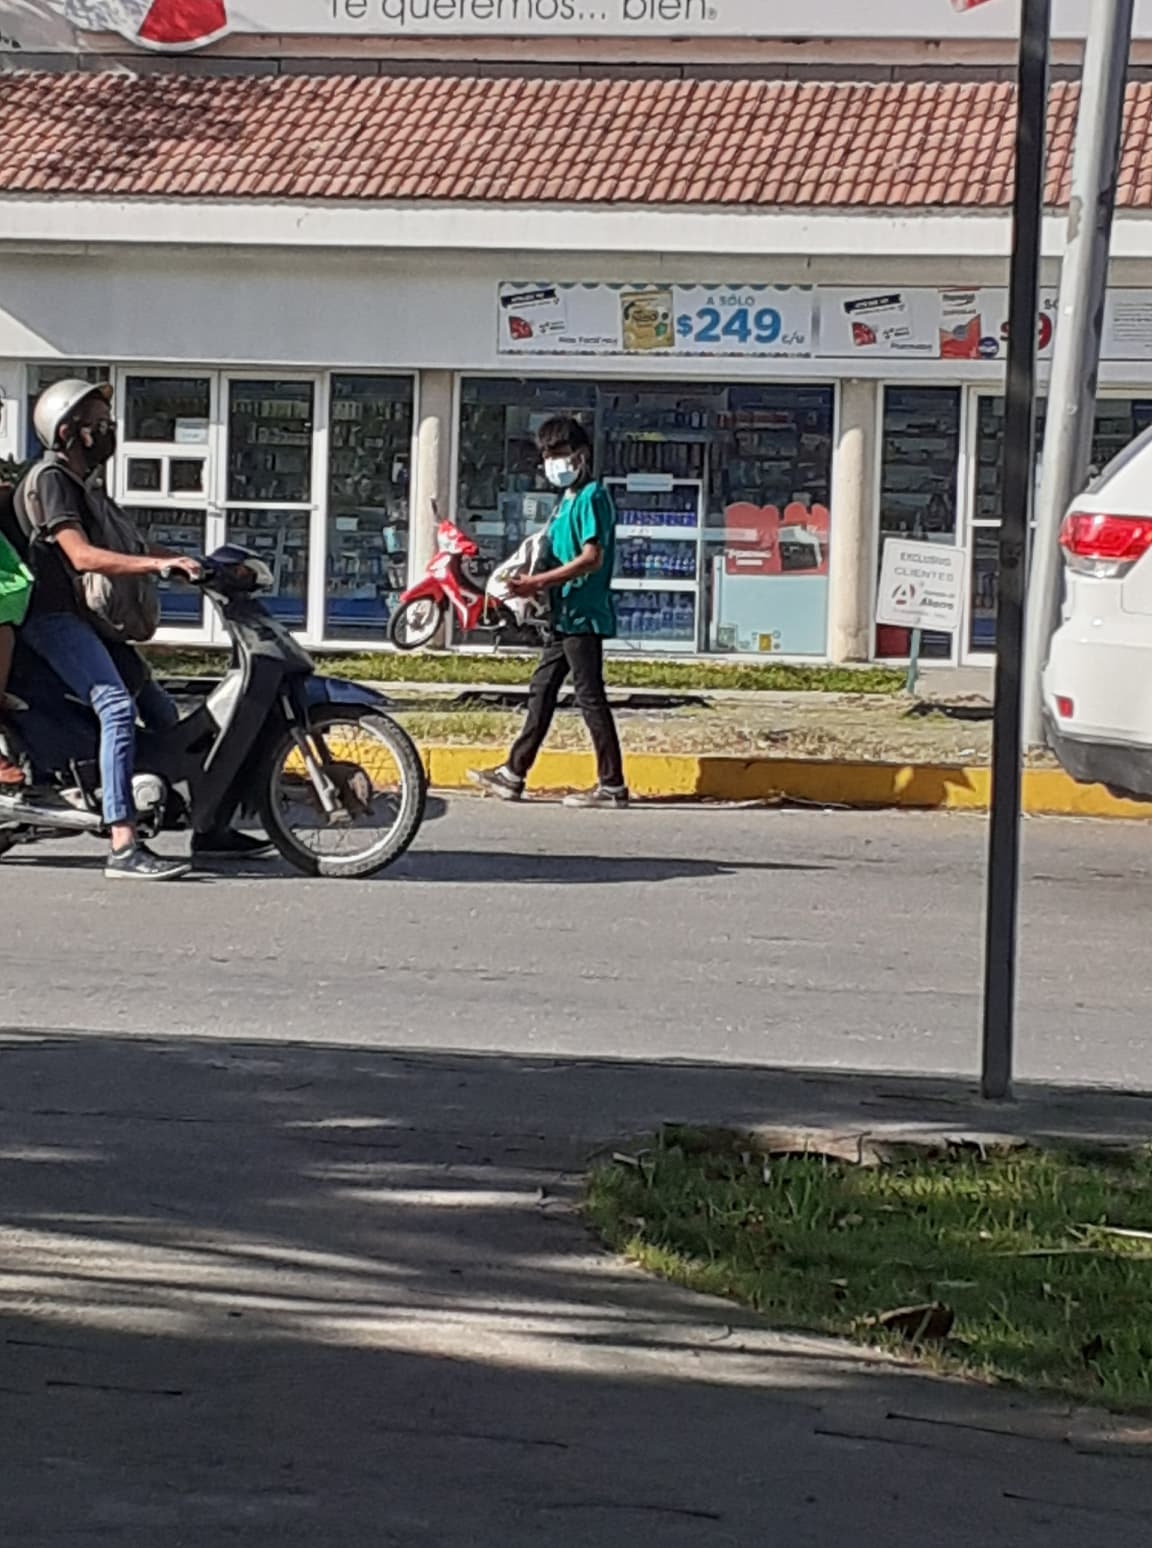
[1121, 460]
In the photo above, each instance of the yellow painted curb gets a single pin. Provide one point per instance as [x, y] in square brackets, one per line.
[708, 777]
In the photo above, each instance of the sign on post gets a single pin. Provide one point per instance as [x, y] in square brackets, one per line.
[921, 586]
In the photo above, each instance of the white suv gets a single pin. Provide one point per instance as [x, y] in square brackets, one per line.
[1098, 681]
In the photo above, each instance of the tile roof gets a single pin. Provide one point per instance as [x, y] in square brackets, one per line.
[745, 143]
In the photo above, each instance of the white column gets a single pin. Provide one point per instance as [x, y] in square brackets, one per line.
[852, 564]
[434, 472]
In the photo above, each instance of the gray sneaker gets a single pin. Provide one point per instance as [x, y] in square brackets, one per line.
[140, 864]
[498, 782]
[610, 797]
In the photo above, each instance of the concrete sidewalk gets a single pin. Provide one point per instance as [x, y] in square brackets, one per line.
[333, 1296]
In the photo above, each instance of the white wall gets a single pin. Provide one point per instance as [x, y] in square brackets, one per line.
[405, 310]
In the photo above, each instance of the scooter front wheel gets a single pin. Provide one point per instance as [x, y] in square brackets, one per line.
[414, 624]
[346, 797]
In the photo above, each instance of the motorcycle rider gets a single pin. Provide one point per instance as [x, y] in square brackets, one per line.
[74, 421]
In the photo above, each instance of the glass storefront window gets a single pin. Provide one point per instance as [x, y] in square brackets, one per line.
[368, 503]
[181, 607]
[722, 493]
[281, 539]
[769, 521]
[502, 493]
[919, 462]
[1118, 421]
[270, 427]
[173, 409]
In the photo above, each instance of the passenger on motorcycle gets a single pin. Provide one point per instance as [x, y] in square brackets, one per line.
[74, 421]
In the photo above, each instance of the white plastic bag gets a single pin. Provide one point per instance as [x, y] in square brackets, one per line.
[525, 561]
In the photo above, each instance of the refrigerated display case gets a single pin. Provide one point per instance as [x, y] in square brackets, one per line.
[658, 532]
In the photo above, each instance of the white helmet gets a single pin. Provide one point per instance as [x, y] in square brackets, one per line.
[57, 404]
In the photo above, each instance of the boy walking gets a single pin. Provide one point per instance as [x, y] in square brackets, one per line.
[582, 544]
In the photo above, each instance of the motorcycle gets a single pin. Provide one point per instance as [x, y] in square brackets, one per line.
[448, 589]
[337, 784]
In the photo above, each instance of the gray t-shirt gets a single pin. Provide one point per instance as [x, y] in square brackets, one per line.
[63, 503]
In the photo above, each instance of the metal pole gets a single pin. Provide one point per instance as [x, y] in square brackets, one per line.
[1080, 324]
[1016, 485]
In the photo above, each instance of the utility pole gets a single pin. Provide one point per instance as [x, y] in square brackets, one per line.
[1079, 328]
[1016, 484]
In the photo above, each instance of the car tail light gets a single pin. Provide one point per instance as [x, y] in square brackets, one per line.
[1064, 707]
[1104, 546]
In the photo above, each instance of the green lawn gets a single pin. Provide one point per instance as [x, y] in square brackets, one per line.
[685, 676]
[1012, 1244]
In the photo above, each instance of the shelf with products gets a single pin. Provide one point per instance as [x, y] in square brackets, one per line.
[270, 426]
[366, 564]
[644, 454]
[652, 583]
[183, 531]
[282, 540]
[655, 559]
[660, 525]
[670, 511]
[662, 618]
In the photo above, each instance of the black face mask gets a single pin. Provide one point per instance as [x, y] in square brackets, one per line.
[98, 446]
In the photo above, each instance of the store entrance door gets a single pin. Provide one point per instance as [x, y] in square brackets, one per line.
[271, 449]
[165, 475]
[208, 458]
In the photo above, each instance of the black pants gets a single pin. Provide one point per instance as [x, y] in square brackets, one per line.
[583, 656]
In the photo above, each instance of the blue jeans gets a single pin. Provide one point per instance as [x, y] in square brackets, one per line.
[85, 665]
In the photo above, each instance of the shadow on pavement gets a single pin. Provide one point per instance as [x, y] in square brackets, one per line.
[284, 1294]
[448, 865]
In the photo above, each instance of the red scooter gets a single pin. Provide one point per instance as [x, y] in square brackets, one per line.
[447, 587]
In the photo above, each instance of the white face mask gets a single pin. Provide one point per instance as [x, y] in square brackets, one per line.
[561, 472]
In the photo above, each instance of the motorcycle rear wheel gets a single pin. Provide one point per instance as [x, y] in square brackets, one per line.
[381, 785]
[414, 624]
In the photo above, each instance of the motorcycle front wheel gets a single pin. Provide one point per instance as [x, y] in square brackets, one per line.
[414, 624]
[347, 797]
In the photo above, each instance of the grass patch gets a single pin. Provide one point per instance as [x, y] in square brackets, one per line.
[686, 676]
[1013, 1244]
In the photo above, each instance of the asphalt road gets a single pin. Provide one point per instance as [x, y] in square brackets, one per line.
[801, 939]
[288, 1251]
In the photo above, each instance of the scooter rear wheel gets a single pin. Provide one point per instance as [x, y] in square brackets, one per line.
[380, 786]
[414, 624]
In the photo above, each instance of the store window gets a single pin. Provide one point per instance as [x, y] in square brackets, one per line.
[271, 425]
[368, 503]
[1117, 421]
[919, 463]
[722, 493]
[163, 474]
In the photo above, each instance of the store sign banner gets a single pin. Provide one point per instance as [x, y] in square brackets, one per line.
[1128, 325]
[921, 586]
[653, 321]
[994, 315]
[190, 24]
[878, 323]
[955, 324]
